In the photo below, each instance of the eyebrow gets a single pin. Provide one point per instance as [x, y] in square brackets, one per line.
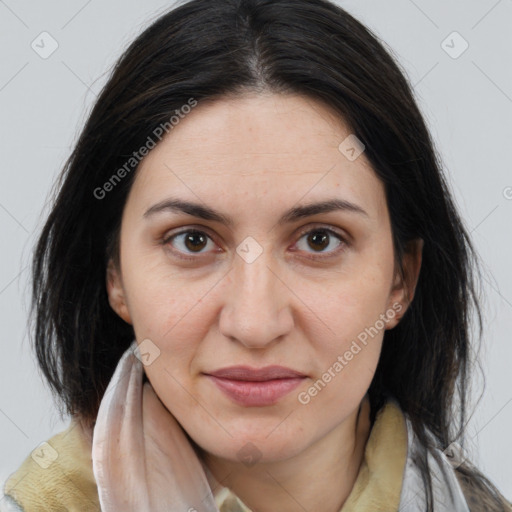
[291, 215]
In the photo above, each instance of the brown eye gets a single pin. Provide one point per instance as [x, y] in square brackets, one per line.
[194, 241]
[189, 242]
[320, 240]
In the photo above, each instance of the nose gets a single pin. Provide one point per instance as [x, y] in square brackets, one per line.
[257, 310]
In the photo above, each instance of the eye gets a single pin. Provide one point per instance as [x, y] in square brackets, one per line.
[320, 239]
[190, 241]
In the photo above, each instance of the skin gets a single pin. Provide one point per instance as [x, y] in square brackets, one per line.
[252, 158]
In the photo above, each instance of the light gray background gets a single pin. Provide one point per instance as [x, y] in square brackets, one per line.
[467, 102]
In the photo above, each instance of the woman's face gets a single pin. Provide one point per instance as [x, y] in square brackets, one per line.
[264, 281]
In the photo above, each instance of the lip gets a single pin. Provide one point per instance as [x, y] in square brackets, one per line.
[256, 393]
[247, 373]
[253, 387]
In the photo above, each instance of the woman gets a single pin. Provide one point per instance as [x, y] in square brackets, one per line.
[253, 291]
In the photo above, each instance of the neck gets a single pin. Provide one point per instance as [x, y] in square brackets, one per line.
[325, 472]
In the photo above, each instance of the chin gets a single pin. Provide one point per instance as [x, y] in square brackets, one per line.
[251, 450]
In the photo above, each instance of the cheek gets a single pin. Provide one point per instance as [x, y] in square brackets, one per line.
[347, 345]
[347, 333]
[160, 298]
[349, 309]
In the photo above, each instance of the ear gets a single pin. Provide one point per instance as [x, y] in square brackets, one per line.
[115, 291]
[404, 287]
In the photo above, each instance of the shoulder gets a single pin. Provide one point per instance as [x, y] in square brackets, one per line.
[457, 485]
[57, 474]
[447, 493]
[476, 490]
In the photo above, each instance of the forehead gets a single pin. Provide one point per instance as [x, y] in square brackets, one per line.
[260, 148]
[256, 125]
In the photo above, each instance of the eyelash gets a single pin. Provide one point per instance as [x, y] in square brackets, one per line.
[344, 244]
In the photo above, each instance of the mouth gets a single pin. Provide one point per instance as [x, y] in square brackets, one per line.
[256, 387]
